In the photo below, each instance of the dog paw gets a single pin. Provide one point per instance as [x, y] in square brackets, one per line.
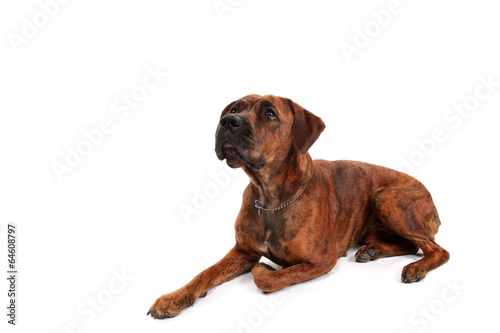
[170, 305]
[366, 254]
[413, 273]
[262, 277]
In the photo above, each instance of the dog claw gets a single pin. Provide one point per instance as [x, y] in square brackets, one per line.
[363, 257]
[147, 314]
[366, 254]
[406, 280]
[417, 278]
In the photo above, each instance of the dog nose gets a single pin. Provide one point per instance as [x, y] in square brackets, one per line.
[231, 121]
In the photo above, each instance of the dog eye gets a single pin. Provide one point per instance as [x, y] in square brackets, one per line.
[270, 114]
[233, 110]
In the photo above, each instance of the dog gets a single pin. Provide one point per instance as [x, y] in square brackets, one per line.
[303, 214]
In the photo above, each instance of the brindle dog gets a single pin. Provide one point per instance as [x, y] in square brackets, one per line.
[304, 214]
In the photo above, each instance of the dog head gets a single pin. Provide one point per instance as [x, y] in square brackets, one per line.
[255, 131]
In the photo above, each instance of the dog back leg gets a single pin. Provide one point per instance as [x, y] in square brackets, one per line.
[407, 209]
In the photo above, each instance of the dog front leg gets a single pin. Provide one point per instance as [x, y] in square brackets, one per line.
[269, 280]
[235, 263]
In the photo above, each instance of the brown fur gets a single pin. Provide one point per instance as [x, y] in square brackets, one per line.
[344, 203]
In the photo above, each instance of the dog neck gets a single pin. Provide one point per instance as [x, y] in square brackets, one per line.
[279, 182]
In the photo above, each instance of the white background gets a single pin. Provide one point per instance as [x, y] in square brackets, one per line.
[119, 209]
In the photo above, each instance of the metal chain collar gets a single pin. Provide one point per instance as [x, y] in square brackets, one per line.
[260, 206]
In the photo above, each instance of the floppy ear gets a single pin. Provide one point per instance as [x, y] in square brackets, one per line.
[306, 127]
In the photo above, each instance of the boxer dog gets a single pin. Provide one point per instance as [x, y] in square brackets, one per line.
[304, 214]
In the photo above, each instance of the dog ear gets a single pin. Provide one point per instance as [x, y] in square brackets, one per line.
[306, 127]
